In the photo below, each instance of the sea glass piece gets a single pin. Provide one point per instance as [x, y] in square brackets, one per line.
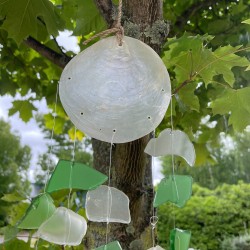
[174, 188]
[107, 204]
[115, 245]
[156, 248]
[171, 142]
[109, 88]
[40, 209]
[179, 239]
[64, 227]
[82, 177]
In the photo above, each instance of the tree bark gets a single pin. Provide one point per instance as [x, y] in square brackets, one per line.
[131, 168]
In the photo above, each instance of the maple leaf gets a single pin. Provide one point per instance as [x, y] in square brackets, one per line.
[21, 18]
[237, 104]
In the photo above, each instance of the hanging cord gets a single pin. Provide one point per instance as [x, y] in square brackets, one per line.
[153, 219]
[50, 155]
[51, 138]
[70, 183]
[109, 190]
[118, 29]
[172, 155]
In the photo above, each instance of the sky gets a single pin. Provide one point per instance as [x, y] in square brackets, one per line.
[30, 133]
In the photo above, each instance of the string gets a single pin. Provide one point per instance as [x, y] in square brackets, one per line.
[70, 182]
[153, 218]
[51, 138]
[109, 190]
[37, 242]
[118, 29]
[172, 155]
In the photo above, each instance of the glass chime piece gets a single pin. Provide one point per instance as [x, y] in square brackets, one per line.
[82, 177]
[171, 142]
[107, 204]
[64, 227]
[179, 239]
[40, 209]
[174, 188]
[156, 248]
[115, 245]
[109, 88]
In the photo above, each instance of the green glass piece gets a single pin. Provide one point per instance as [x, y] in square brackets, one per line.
[40, 209]
[179, 239]
[82, 177]
[174, 188]
[115, 245]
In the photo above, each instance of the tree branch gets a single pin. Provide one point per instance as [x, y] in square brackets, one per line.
[106, 9]
[58, 59]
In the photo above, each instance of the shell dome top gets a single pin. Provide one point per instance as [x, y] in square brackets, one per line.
[116, 93]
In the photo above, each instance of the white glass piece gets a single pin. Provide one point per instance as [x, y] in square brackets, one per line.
[64, 227]
[156, 248]
[171, 142]
[109, 88]
[107, 204]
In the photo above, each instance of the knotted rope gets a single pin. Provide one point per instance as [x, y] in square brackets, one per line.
[118, 29]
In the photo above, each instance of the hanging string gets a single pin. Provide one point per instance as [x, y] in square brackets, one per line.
[109, 190]
[172, 155]
[153, 218]
[70, 183]
[118, 29]
[51, 138]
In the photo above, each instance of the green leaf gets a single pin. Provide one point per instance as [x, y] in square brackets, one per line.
[24, 108]
[21, 18]
[237, 103]
[248, 68]
[58, 124]
[246, 21]
[88, 18]
[221, 61]
[188, 97]
[190, 58]
[14, 197]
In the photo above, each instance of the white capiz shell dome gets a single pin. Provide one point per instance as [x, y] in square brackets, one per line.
[116, 93]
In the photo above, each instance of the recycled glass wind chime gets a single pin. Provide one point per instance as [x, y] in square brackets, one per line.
[176, 189]
[117, 91]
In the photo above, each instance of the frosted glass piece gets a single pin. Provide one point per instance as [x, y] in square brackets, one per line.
[109, 88]
[115, 245]
[174, 188]
[179, 239]
[182, 146]
[40, 209]
[64, 227]
[82, 177]
[107, 204]
[156, 248]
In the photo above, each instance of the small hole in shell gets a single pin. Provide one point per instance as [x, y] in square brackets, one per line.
[114, 130]
[81, 113]
[162, 90]
[69, 78]
[149, 117]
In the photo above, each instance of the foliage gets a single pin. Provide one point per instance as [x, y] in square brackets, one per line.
[211, 216]
[236, 243]
[231, 166]
[14, 163]
[209, 73]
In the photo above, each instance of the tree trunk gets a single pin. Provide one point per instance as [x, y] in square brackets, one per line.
[131, 168]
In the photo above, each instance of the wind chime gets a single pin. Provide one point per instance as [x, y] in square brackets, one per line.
[117, 90]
